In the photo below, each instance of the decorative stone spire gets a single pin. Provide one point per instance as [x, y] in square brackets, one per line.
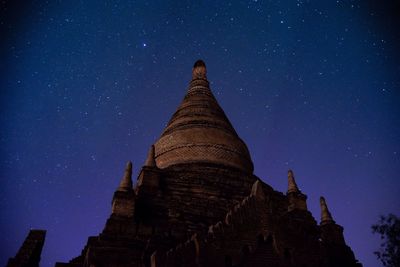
[292, 186]
[326, 216]
[126, 182]
[29, 253]
[150, 161]
[199, 70]
[257, 191]
[200, 132]
[123, 203]
[297, 200]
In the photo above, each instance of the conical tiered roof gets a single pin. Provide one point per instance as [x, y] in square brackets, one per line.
[199, 131]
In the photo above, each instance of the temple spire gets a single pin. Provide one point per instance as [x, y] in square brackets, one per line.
[257, 190]
[297, 200]
[150, 161]
[199, 70]
[200, 132]
[123, 203]
[326, 216]
[292, 186]
[126, 182]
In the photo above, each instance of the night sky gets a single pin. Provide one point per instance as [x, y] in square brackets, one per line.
[86, 86]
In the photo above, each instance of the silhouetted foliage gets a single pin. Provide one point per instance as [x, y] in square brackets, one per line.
[389, 229]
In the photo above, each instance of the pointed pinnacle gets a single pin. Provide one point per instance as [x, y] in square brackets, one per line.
[326, 216]
[292, 186]
[151, 161]
[257, 191]
[126, 182]
[199, 70]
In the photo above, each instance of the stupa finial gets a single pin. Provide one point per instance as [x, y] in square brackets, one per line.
[199, 70]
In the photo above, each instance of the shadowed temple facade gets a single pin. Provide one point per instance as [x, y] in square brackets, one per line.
[196, 202]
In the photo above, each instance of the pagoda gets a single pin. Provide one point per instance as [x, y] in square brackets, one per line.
[197, 202]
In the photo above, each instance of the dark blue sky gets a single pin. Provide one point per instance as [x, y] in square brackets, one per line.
[86, 86]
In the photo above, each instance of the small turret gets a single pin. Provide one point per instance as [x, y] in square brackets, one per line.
[29, 253]
[149, 178]
[292, 186]
[123, 203]
[334, 248]
[297, 200]
[257, 191]
[326, 216]
[126, 181]
[150, 161]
